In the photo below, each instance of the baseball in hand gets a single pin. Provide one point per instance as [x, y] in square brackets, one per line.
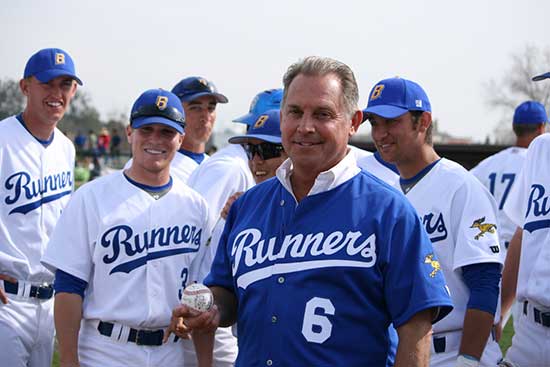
[198, 297]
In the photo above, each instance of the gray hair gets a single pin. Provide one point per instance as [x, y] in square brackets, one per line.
[320, 66]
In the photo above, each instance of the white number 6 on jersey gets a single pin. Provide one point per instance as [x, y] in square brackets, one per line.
[317, 328]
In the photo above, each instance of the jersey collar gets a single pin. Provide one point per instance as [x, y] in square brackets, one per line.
[325, 181]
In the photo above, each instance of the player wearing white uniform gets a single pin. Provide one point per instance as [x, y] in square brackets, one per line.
[199, 98]
[296, 266]
[499, 171]
[126, 246]
[36, 180]
[529, 254]
[227, 171]
[224, 174]
[458, 213]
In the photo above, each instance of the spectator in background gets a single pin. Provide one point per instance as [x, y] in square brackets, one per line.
[80, 141]
[103, 143]
[115, 147]
[92, 143]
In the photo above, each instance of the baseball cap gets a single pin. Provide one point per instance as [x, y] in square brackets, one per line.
[391, 98]
[194, 87]
[530, 112]
[49, 63]
[267, 127]
[267, 100]
[158, 106]
[541, 77]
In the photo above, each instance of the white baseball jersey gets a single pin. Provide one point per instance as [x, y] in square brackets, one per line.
[374, 164]
[181, 166]
[136, 253]
[528, 206]
[498, 174]
[36, 183]
[459, 215]
[224, 174]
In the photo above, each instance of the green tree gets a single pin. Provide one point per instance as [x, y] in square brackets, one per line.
[12, 101]
[516, 86]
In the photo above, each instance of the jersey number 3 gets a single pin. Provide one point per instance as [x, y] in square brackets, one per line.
[317, 327]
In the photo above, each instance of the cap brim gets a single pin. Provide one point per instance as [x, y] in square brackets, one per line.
[541, 77]
[245, 138]
[151, 120]
[248, 119]
[385, 111]
[46, 76]
[220, 98]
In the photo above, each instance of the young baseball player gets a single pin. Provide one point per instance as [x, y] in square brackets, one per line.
[36, 175]
[529, 255]
[499, 172]
[228, 167]
[199, 98]
[458, 213]
[126, 246]
[315, 264]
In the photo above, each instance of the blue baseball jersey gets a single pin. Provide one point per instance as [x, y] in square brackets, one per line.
[319, 282]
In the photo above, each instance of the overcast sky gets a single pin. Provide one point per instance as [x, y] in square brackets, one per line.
[122, 48]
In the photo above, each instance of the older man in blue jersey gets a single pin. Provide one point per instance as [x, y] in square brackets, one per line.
[315, 263]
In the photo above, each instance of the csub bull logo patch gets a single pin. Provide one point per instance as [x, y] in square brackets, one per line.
[483, 227]
[434, 263]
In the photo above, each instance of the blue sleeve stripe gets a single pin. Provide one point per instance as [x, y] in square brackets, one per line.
[65, 282]
[483, 282]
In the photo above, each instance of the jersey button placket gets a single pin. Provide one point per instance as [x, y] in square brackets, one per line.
[269, 362]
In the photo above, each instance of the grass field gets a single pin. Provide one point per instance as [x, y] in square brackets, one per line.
[504, 342]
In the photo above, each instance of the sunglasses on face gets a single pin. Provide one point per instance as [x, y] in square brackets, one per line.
[264, 150]
[170, 113]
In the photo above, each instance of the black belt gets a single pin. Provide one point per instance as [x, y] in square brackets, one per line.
[40, 292]
[140, 337]
[540, 317]
[440, 343]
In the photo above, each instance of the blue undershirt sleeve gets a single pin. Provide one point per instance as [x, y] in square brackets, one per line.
[483, 282]
[65, 282]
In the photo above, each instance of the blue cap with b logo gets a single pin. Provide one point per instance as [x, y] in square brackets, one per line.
[530, 112]
[50, 63]
[393, 97]
[158, 106]
[264, 101]
[194, 87]
[267, 127]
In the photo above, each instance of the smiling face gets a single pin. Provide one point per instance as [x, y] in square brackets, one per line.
[399, 140]
[47, 102]
[263, 169]
[315, 125]
[153, 147]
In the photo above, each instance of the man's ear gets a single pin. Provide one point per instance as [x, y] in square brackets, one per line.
[129, 133]
[24, 86]
[356, 120]
[425, 121]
